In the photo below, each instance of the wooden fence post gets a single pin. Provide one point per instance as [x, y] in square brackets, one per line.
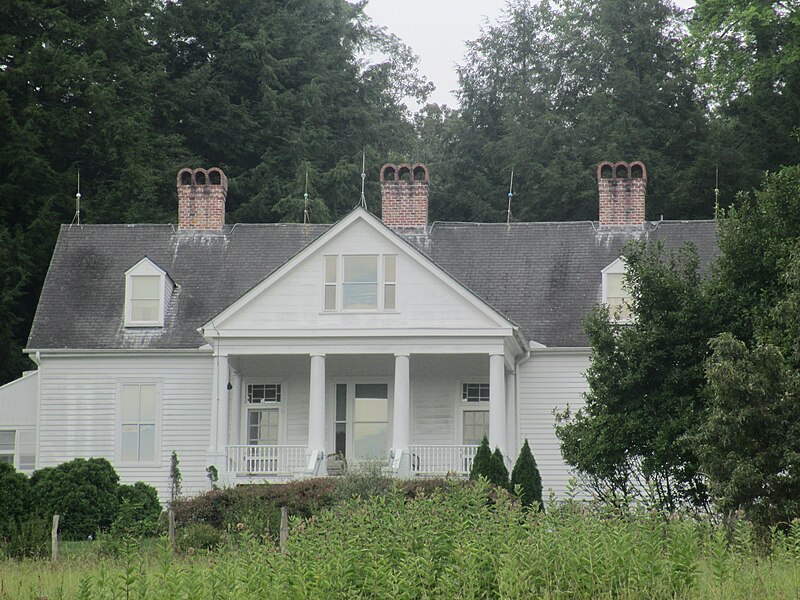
[54, 540]
[284, 535]
[172, 541]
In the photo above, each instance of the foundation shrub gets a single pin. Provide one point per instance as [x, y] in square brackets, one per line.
[82, 492]
[139, 511]
[15, 499]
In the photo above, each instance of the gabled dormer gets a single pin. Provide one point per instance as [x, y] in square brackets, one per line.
[616, 294]
[147, 292]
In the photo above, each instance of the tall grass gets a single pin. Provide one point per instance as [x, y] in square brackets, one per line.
[458, 542]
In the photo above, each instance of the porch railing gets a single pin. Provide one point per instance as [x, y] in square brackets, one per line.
[442, 460]
[266, 460]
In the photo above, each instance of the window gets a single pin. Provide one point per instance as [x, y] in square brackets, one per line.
[263, 414]
[615, 293]
[18, 448]
[138, 441]
[340, 432]
[145, 294]
[7, 446]
[360, 282]
[474, 412]
[475, 392]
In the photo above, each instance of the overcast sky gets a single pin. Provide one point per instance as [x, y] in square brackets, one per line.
[437, 31]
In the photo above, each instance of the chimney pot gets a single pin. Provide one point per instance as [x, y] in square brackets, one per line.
[201, 199]
[621, 187]
[404, 196]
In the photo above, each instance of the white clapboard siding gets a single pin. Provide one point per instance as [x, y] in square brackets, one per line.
[550, 379]
[296, 300]
[436, 395]
[78, 416]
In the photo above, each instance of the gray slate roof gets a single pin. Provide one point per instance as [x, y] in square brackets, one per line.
[545, 277]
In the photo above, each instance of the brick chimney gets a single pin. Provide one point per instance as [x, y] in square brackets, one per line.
[404, 195]
[201, 199]
[622, 189]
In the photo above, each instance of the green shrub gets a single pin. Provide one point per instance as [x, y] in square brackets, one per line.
[526, 475]
[481, 465]
[139, 510]
[498, 472]
[366, 480]
[15, 495]
[83, 492]
[199, 536]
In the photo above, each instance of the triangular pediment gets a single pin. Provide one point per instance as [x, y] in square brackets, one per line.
[293, 297]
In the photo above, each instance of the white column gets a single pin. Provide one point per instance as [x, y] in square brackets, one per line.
[236, 412]
[497, 402]
[316, 404]
[511, 419]
[212, 433]
[223, 406]
[401, 416]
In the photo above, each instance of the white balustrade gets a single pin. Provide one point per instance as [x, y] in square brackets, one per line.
[266, 460]
[442, 460]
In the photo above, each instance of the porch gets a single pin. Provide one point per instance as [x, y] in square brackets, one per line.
[419, 415]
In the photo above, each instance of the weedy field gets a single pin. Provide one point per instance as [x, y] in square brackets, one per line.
[458, 542]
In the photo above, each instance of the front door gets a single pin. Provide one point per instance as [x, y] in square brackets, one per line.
[361, 421]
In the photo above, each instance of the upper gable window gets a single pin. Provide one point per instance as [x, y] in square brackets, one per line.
[360, 282]
[145, 294]
[615, 292]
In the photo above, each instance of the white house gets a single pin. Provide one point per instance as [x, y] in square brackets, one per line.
[267, 350]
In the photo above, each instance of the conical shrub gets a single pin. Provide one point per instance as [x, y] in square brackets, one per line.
[481, 465]
[526, 476]
[498, 470]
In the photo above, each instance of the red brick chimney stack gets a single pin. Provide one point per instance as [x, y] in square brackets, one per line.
[404, 195]
[201, 199]
[622, 188]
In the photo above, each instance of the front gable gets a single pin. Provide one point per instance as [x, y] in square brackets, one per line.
[411, 295]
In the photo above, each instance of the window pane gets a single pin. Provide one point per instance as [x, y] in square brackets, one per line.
[341, 401]
[147, 408]
[358, 269]
[615, 285]
[330, 297]
[130, 403]
[388, 297]
[341, 439]
[145, 287]
[147, 442]
[372, 409]
[7, 440]
[360, 295]
[7, 458]
[330, 269]
[263, 427]
[476, 425]
[370, 440]
[372, 390]
[389, 268]
[130, 442]
[144, 310]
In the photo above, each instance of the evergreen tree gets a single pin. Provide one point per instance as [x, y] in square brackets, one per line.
[526, 475]
[498, 472]
[481, 464]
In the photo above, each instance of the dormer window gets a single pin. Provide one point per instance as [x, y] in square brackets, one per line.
[616, 294]
[364, 282]
[146, 291]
